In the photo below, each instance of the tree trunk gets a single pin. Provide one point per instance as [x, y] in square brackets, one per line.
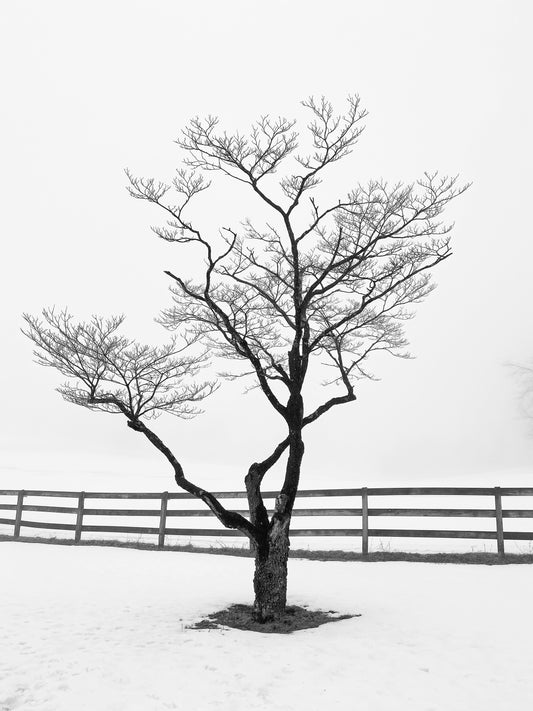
[270, 578]
[272, 552]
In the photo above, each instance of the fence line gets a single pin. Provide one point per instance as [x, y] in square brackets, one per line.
[364, 512]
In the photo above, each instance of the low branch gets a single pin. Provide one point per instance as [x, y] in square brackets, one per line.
[229, 519]
[253, 480]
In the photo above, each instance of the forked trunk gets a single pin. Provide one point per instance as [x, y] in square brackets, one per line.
[272, 553]
[270, 578]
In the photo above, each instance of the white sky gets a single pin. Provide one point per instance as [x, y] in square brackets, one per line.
[89, 89]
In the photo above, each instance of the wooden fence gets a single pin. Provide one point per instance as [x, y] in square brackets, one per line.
[365, 513]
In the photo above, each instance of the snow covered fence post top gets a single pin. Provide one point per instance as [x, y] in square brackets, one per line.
[322, 283]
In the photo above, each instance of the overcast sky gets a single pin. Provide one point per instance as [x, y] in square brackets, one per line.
[90, 88]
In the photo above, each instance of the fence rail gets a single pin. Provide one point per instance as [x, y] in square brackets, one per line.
[365, 513]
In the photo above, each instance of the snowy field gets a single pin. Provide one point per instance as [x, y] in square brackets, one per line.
[96, 629]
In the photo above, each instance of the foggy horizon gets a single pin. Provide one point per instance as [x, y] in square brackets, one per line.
[94, 94]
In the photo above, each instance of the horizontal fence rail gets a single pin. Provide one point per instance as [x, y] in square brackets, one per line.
[81, 510]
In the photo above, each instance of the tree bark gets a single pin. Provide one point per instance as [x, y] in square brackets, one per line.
[270, 578]
[272, 552]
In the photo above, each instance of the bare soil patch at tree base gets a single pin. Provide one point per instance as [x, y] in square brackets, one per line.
[295, 618]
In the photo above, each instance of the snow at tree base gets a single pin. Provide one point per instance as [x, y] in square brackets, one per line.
[92, 629]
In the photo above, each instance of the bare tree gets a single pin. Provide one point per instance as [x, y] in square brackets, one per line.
[524, 375]
[278, 298]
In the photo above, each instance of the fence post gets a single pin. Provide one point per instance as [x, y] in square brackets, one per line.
[499, 521]
[364, 506]
[79, 517]
[163, 519]
[18, 515]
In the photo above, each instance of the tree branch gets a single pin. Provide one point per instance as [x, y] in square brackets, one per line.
[229, 519]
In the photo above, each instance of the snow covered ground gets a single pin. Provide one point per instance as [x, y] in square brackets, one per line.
[104, 629]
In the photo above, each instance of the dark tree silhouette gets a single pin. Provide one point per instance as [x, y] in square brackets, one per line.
[280, 297]
[524, 375]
